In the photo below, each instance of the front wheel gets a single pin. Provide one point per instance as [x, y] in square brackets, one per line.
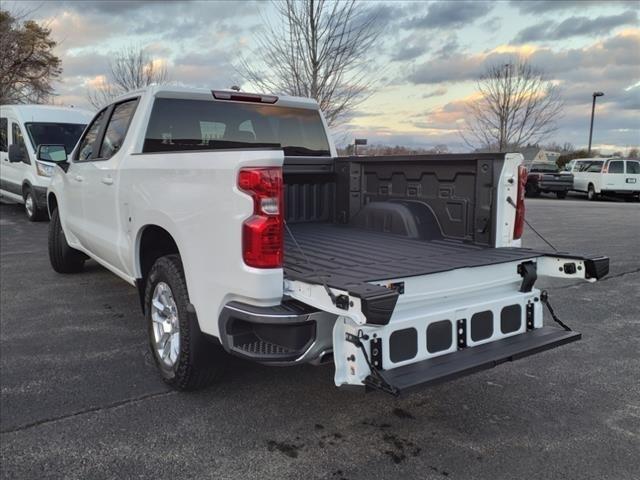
[561, 194]
[186, 360]
[591, 193]
[63, 258]
[34, 213]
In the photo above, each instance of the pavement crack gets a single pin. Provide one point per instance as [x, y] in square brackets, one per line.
[100, 408]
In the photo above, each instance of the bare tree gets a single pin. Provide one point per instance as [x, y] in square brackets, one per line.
[318, 51]
[130, 68]
[517, 105]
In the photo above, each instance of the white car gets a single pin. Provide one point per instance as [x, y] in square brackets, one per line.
[244, 234]
[607, 176]
[23, 178]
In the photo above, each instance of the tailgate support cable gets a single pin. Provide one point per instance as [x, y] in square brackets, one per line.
[510, 202]
[544, 298]
[376, 378]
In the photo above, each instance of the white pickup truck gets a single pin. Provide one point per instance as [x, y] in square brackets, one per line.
[243, 232]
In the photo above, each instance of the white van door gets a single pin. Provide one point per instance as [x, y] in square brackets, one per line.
[14, 173]
[613, 176]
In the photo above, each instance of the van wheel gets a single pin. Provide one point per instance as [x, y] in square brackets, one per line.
[34, 213]
[591, 192]
[186, 360]
[63, 258]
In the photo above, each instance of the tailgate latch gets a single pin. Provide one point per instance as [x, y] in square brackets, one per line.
[529, 274]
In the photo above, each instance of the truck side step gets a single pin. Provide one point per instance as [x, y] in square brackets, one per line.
[474, 359]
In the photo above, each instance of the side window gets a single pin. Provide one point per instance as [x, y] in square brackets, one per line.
[18, 139]
[86, 146]
[3, 134]
[616, 167]
[594, 167]
[117, 128]
[633, 166]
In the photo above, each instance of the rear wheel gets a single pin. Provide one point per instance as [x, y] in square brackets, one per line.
[591, 192]
[63, 258]
[34, 213]
[561, 194]
[186, 360]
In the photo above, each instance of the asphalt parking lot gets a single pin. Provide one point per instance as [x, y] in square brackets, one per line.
[81, 399]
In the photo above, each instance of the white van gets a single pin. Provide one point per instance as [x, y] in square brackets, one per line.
[607, 176]
[22, 128]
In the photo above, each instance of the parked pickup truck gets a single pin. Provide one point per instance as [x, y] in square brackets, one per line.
[547, 178]
[243, 233]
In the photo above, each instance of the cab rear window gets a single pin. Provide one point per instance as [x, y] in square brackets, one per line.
[178, 125]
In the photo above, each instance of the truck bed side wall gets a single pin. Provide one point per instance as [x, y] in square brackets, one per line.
[460, 190]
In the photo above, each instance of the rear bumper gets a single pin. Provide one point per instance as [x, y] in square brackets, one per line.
[555, 187]
[481, 357]
[286, 334]
[621, 192]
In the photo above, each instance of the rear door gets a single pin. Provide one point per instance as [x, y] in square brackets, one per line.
[101, 212]
[632, 175]
[613, 177]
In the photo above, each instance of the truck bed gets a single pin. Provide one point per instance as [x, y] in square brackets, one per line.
[345, 256]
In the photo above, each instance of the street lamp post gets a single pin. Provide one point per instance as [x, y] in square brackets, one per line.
[593, 109]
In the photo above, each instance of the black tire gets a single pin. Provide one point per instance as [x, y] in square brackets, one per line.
[531, 190]
[561, 195]
[198, 361]
[591, 193]
[63, 258]
[31, 208]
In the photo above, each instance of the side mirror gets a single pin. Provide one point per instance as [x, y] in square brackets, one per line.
[16, 153]
[52, 153]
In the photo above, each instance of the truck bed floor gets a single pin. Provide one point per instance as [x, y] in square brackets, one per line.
[346, 256]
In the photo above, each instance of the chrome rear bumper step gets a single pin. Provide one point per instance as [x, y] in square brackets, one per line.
[474, 359]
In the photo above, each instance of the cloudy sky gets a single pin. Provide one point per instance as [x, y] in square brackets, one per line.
[429, 53]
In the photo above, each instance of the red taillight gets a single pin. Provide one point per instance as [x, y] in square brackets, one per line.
[262, 235]
[518, 226]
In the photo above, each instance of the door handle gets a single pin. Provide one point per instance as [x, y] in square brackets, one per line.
[78, 178]
[108, 180]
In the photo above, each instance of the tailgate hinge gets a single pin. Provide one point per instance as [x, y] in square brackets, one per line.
[375, 379]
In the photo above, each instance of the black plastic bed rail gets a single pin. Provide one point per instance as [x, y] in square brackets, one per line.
[474, 359]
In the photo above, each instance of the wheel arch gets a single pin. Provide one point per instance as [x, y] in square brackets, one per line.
[26, 185]
[52, 203]
[152, 242]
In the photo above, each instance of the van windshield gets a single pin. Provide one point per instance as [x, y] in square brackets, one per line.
[184, 125]
[66, 134]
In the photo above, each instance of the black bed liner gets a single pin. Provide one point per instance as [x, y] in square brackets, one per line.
[345, 255]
